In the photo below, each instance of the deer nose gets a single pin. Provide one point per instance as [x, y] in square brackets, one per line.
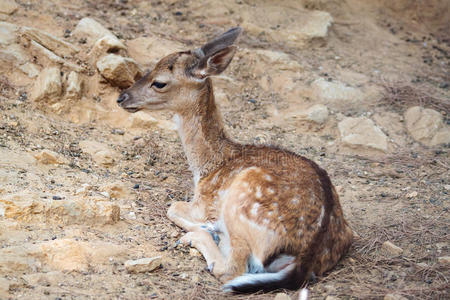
[123, 97]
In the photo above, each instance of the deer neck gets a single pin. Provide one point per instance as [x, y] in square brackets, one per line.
[202, 134]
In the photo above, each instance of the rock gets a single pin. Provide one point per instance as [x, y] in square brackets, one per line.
[426, 126]
[143, 265]
[8, 6]
[30, 207]
[117, 190]
[118, 70]
[148, 50]
[394, 297]
[142, 119]
[282, 296]
[317, 113]
[391, 249]
[74, 86]
[8, 33]
[4, 288]
[444, 261]
[73, 255]
[47, 88]
[52, 43]
[91, 30]
[100, 153]
[335, 92]
[301, 28]
[362, 132]
[43, 53]
[277, 59]
[48, 157]
[14, 260]
[30, 69]
[104, 45]
[15, 54]
[51, 278]
[412, 194]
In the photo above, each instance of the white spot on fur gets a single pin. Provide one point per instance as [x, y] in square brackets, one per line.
[301, 219]
[268, 177]
[222, 193]
[242, 195]
[270, 213]
[322, 214]
[245, 184]
[214, 180]
[295, 201]
[280, 218]
[300, 233]
[254, 210]
[258, 193]
[270, 191]
[266, 221]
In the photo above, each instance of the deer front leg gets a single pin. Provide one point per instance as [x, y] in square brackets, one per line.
[188, 215]
[223, 268]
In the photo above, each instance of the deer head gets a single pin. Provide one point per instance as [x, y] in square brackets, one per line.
[179, 78]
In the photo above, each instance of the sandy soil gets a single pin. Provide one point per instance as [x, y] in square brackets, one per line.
[400, 195]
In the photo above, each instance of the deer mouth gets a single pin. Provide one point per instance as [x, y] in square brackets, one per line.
[132, 109]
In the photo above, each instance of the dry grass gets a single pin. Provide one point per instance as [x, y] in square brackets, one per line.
[401, 96]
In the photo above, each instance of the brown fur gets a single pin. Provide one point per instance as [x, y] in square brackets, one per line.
[267, 201]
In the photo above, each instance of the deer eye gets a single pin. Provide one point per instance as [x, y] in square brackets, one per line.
[158, 85]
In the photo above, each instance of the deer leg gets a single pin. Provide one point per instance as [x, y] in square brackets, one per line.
[187, 215]
[223, 268]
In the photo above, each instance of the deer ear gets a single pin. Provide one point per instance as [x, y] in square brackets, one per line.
[214, 64]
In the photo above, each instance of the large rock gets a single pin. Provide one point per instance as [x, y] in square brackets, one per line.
[299, 29]
[426, 126]
[4, 288]
[8, 33]
[8, 6]
[335, 92]
[74, 86]
[100, 153]
[30, 207]
[104, 45]
[362, 133]
[73, 255]
[268, 20]
[52, 43]
[317, 113]
[91, 30]
[47, 88]
[118, 70]
[148, 50]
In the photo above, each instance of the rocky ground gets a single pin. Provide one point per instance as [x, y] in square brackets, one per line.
[361, 87]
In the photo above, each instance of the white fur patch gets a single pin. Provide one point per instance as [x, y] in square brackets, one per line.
[254, 210]
[268, 177]
[295, 201]
[258, 193]
[322, 214]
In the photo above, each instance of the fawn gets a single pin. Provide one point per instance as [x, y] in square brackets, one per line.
[262, 217]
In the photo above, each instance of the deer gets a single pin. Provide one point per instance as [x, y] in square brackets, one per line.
[263, 218]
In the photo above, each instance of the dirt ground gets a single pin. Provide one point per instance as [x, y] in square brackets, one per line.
[396, 55]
